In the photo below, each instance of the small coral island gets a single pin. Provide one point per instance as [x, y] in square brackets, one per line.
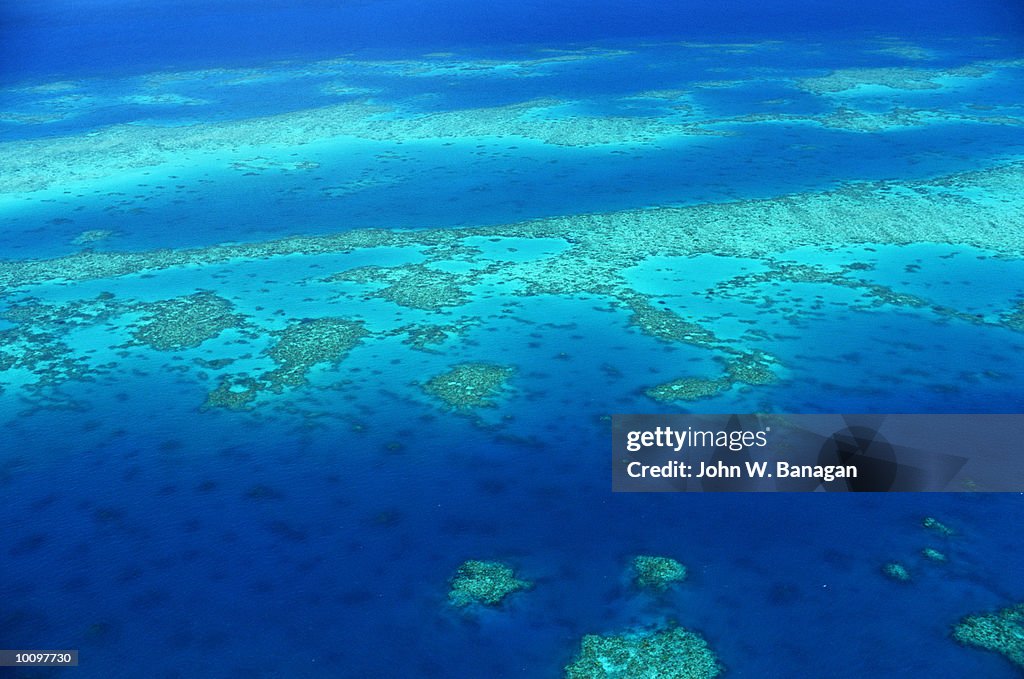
[673, 653]
[484, 582]
[657, 572]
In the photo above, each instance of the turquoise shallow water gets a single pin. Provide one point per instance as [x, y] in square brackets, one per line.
[489, 178]
[237, 438]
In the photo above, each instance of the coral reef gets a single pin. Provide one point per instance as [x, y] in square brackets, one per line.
[484, 582]
[412, 285]
[934, 524]
[92, 236]
[38, 342]
[894, 213]
[425, 336]
[674, 653]
[185, 322]
[1014, 319]
[666, 324]
[898, 78]
[126, 147]
[1002, 632]
[751, 368]
[597, 249]
[582, 256]
[307, 343]
[469, 385]
[896, 571]
[657, 572]
[233, 394]
[688, 389]
[904, 50]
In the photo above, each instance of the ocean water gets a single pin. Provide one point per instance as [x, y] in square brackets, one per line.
[303, 305]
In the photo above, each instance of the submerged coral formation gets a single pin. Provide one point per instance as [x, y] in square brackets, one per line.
[666, 324]
[185, 322]
[302, 345]
[1014, 319]
[425, 336]
[453, 269]
[896, 77]
[893, 213]
[233, 393]
[469, 385]
[933, 524]
[38, 343]
[688, 389]
[1002, 632]
[92, 236]
[896, 571]
[673, 653]
[128, 147]
[750, 368]
[657, 572]
[484, 582]
[413, 285]
[586, 254]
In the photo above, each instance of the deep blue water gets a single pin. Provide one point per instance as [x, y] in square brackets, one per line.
[315, 535]
[100, 36]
